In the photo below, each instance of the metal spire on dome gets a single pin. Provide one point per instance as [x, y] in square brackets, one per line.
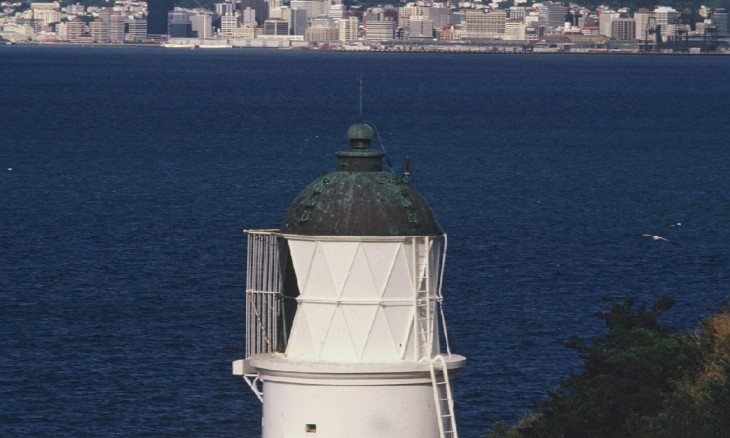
[360, 80]
[360, 134]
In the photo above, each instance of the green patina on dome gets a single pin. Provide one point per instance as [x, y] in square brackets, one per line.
[359, 135]
[360, 199]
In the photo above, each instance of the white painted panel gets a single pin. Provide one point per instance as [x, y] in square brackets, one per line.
[380, 345]
[360, 284]
[400, 321]
[319, 319]
[300, 343]
[400, 281]
[320, 283]
[339, 256]
[360, 319]
[338, 345]
[381, 256]
[302, 254]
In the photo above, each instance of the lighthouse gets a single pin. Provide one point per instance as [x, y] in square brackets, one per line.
[345, 335]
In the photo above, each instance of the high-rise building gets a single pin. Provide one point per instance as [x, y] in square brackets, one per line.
[320, 8]
[420, 26]
[476, 24]
[553, 14]
[641, 17]
[276, 27]
[117, 25]
[336, 10]
[349, 28]
[604, 22]
[495, 22]
[229, 23]
[249, 17]
[136, 29]
[514, 29]
[666, 17]
[224, 8]
[378, 27]
[720, 20]
[297, 21]
[261, 8]
[77, 31]
[99, 30]
[623, 29]
[178, 23]
[157, 11]
[46, 13]
[440, 16]
[305, 5]
[202, 25]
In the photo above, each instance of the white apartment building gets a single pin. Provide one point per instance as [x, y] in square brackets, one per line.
[249, 17]
[229, 23]
[666, 17]
[489, 25]
[641, 19]
[99, 30]
[117, 25]
[475, 24]
[379, 28]
[514, 30]
[46, 13]
[349, 29]
[604, 22]
[137, 29]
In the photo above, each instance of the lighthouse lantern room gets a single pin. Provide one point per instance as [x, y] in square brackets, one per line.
[343, 309]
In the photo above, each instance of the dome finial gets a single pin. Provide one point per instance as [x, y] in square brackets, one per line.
[360, 134]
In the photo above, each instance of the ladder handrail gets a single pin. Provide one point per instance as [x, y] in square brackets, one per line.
[423, 312]
[439, 296]
[448, 398]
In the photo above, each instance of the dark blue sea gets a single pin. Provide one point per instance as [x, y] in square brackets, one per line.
[127, 175]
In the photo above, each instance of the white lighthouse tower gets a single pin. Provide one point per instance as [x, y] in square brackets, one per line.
[343, 314]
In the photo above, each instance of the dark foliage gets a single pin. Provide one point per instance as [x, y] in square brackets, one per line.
[630, 383]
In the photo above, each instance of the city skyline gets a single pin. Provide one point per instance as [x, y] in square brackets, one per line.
[330, 24]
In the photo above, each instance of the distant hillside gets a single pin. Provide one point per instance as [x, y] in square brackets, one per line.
[687, 7]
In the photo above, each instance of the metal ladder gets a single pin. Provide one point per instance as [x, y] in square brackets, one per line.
[443, 399]
[424, 312]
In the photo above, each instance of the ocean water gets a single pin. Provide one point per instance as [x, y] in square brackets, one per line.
[127, 175]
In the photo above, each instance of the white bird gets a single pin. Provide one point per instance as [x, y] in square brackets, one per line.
[655, 237]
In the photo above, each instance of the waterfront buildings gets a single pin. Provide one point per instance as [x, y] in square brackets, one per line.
[548, 24]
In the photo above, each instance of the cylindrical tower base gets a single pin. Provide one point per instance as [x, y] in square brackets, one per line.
[348, 400]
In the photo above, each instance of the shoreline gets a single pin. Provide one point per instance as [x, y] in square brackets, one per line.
[487, 49]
